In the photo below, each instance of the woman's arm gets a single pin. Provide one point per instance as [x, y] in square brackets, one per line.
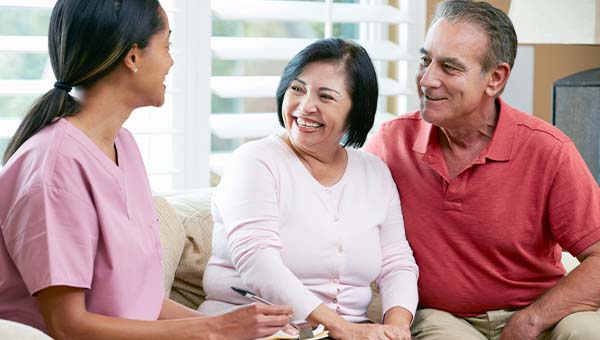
[397, 280]
[172, 310]
[66, 317]
[397, 321]
[248, 200]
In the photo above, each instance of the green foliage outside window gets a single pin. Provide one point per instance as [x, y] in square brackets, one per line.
[21, 66]
[24, 21]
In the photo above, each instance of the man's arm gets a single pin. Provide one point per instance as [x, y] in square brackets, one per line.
[577, 292]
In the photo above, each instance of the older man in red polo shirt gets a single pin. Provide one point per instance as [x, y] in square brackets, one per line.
[490, 195]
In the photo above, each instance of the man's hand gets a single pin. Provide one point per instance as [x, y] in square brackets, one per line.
[522, 325]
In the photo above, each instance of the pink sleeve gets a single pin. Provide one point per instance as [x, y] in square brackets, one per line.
[248, 202]
[397, 280]
[51, 236]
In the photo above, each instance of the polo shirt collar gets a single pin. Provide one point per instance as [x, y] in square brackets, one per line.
[500, 147]
[424, 138]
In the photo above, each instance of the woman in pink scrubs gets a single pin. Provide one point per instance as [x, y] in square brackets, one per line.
[80, 256]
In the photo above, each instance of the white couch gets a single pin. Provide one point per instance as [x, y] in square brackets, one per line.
[187, 246]
[186, 230]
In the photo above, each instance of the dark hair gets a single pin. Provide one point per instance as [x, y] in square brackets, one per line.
[361, 81]
[502, 44]
[86, 41]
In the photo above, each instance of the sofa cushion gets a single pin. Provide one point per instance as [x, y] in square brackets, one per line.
[374, 309]
[172, 239]
[193, 209]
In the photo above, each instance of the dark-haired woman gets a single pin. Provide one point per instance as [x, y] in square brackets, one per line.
[304, 221]
[80, 256]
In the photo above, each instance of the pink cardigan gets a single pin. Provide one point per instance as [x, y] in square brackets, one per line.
[280, 233]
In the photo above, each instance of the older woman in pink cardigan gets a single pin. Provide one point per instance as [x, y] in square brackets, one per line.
[302, 220]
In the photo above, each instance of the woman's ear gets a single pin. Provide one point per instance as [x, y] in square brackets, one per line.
[131, 58]
[498, 79]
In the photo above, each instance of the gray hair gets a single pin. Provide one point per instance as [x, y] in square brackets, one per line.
[502, 44]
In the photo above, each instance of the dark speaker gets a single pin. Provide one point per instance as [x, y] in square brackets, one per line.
[576, 111]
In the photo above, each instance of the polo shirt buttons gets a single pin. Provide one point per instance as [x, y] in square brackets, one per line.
[335, 300]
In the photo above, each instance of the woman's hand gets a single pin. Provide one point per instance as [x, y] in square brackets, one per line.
[253, 321]
[253, 317]
[375, 332]
[397, 323]
[290, 330]
[355, 331]
[397, 333]
[397, 326]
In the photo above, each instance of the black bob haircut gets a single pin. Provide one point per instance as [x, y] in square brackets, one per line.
[361, 81]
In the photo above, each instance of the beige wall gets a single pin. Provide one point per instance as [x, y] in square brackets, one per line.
[552, 62]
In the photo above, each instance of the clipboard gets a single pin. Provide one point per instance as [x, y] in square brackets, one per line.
[305, 333]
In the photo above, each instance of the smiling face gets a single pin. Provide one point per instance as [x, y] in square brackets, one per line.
[450, 81]
[315, 108]
[154, 63]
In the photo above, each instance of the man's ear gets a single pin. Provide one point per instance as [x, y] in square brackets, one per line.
[498, 78]
[131, 58]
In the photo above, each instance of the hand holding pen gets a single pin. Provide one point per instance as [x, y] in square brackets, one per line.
[252, 321]
[256, 298]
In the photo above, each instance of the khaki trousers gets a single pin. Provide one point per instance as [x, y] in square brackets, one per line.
[433, 324]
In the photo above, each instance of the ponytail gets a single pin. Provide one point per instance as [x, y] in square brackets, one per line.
[56, 103]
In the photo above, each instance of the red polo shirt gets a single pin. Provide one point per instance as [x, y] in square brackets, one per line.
[491, 238]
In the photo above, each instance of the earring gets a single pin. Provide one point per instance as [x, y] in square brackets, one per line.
[135, 70]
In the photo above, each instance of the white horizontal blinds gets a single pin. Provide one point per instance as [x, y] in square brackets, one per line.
[317, 11]
[409, 36]
[24, 66]
[173, 139]
[249, 59]
[27, 3]
[154, 130]
[191, 25]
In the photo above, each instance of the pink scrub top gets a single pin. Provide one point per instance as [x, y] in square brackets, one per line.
[70, 216]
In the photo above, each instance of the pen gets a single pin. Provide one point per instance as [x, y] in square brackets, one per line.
[248, 294]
